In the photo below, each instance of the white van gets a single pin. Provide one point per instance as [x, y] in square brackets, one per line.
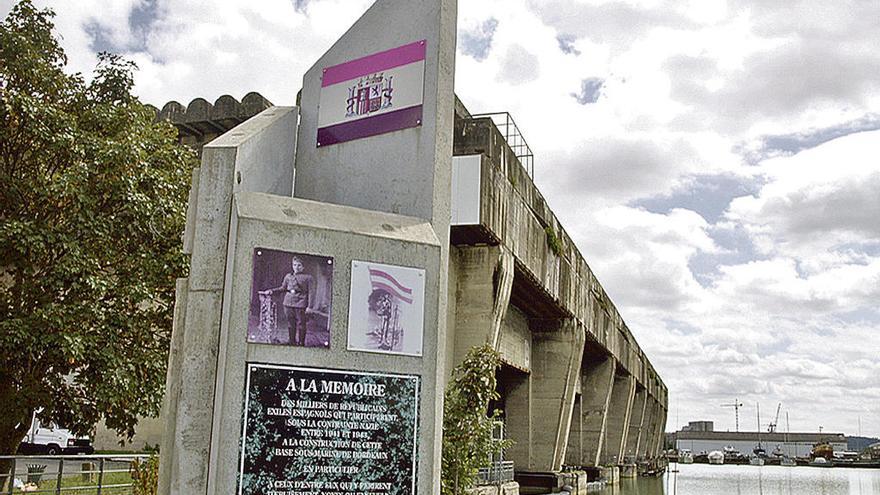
[51, 439]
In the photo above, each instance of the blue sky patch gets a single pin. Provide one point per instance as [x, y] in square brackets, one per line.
[591, 90]
[566, 44]
[478, 41]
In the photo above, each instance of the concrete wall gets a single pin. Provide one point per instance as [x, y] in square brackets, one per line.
[578, 416]
[514, 214]
[516, 339]
[148, 435]
[258, 155]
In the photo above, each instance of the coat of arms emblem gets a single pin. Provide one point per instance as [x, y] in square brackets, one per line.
[371, 94]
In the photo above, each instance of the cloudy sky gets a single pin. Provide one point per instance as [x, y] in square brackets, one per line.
[716, 162]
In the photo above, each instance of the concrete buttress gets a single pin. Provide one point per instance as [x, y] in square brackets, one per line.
[619, 411]
[556, 362]
[597, 382]
[649, 428]
[485, 278]
[636, 423]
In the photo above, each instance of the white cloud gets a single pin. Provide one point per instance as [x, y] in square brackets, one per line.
[816, 200]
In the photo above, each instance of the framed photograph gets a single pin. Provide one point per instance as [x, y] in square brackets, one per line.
[386, 309]
[290, 299]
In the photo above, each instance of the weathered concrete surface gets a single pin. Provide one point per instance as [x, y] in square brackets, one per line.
[201, 122]
[508, 488]
[611, 474]
[480, 305]
[640, 403]
[258, 155]
[597, 379]
[651, 418]
[554, 283]
[659, 432]
[345, 234]
[628, 471]
[576, 481]
[554, 376]
[514, 214]
[518, 423]
[619, 412]
[408, 171]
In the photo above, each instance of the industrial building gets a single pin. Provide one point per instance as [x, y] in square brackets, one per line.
[794, 444]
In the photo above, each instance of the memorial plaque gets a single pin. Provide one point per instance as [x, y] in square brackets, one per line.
[311, 431]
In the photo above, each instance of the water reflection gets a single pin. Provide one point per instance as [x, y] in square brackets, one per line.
[702, 479]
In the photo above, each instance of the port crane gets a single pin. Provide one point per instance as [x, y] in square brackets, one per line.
[736, 405]
[771, 428]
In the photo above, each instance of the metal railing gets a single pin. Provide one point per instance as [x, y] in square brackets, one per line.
[505, 124]
[69, 474]
[497, 472]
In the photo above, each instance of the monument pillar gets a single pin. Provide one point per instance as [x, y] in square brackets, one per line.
[310, 341]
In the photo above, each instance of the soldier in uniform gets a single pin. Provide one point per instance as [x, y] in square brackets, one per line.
[297, 287]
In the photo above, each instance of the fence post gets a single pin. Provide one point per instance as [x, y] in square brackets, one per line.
[100, 475]
[11, 478]
[60, 472]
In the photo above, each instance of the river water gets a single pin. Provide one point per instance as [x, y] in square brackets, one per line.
[703, 479]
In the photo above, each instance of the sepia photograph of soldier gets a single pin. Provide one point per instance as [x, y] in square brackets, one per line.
[290, 300]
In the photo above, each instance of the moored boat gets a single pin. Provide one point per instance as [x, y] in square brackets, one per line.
[685, 457]
[716, 457]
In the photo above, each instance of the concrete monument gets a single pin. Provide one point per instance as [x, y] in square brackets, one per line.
[308, 348]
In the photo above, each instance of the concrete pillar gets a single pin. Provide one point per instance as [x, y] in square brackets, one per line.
[556, 362]
[172, 388]
[636, 423]
[597, 382]
[229, 164]
[647, 442]
[485, 279]
[622, 396]
[518, 422]
[660, 432]
[575, 450]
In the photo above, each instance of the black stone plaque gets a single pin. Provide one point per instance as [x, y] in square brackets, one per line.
[317, 431]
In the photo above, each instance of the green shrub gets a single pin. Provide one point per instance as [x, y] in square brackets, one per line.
[145, 476]
[553, 241]
[467, 429]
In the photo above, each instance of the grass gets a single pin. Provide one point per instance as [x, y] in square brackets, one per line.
[74, 484]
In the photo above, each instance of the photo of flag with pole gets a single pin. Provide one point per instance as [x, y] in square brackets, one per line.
[386, 308]
[383, 280]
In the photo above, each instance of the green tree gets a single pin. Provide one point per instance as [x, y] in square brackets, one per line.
[92, 206]
[467, 428]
